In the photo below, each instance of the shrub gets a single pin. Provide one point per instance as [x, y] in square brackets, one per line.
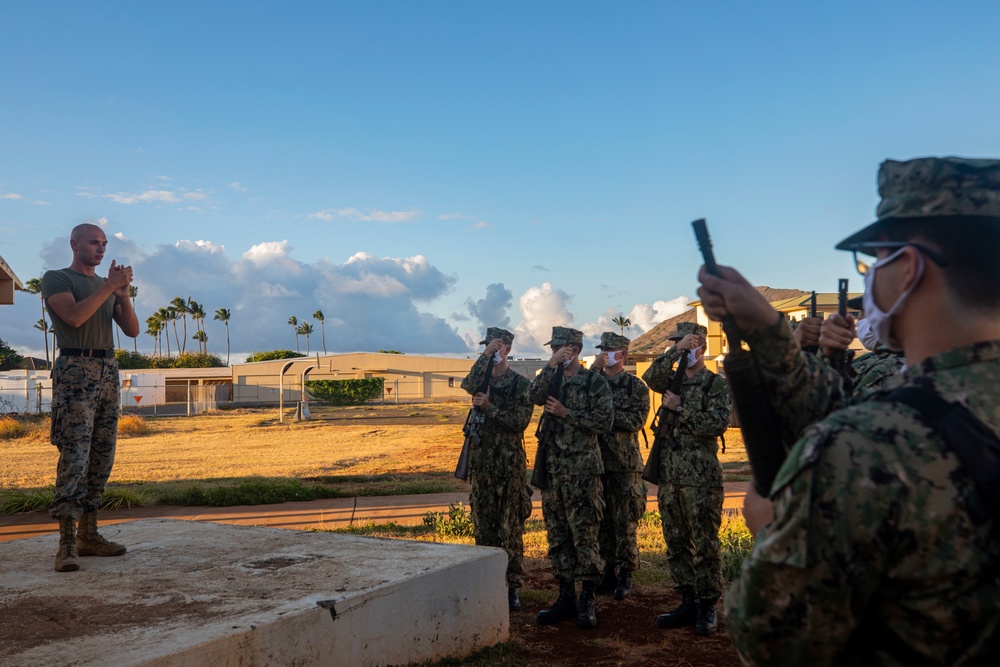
[458, 523]
[9, 357]
[345, 392]
[188, 360]
[735, 542]
[272, 355]
[132, 426]
[132, 360]
[11, 427]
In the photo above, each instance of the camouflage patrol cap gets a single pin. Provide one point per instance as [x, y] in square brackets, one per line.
[496, 332]
[612, 341]
[566, 336]
[685, 328]
[949, 189]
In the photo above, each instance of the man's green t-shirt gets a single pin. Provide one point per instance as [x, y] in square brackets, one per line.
[95, 333]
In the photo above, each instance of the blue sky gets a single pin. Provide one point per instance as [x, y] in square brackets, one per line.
[422, 170]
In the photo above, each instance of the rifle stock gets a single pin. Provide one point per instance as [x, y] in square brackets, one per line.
[663, 426]
[546, 431]
[758, 422]
[473, 421]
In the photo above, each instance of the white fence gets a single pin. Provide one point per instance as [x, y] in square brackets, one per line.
[30, 392]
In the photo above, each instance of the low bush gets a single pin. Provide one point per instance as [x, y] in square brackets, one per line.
[458, 523]
[132, 426]
[345, 392]
[12, 427]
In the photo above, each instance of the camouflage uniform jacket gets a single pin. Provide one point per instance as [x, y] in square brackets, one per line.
[871, 371]
[620, 447]
[880, 538]
[703, 419]
[576, 450]
[503, 430]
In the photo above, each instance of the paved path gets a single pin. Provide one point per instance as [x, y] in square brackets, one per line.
[331, 513]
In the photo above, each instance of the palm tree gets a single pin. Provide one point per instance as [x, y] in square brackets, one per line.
[153, 328]
[181, 308]
[197, 313]
[319, 317]
[34, 286]
[172, 316]
[43, 326]
[622, 322]
[202, 338]
[304, 330]
[133, 291]
[222, 314]
[294, 321]
[163, 316]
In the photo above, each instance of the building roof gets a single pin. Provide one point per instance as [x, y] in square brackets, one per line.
[655, 340]
[8, 283]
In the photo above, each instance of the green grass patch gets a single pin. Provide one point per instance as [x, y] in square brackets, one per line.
[31, 500]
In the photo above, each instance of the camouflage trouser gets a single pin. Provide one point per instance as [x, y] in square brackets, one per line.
[499, 510]
[692, 516]
[624, 505]
[573, 507]
[85, 406]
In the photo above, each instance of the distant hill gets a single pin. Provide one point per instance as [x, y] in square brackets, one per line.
[655, 340]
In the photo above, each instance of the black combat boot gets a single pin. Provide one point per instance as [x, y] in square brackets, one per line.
[624, 587]
[607, 585]
[685, 614]
[513, 602]
[706, 622]
[587, 618]
[563, 608]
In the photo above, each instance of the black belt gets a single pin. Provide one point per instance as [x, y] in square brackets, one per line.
[80, 352]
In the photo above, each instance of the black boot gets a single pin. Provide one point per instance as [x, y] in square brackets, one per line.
[607, 585]
[685, 614]
[513, 602]
[563, 608]
[586, 618]
[624, 587]
[706, 622]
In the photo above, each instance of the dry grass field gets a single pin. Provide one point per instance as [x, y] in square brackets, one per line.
[370, 440]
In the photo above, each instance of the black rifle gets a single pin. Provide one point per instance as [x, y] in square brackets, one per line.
[841, 359]
[547, 428]
[750, 400]
[473, 421]
[663, 425]
[813, 312]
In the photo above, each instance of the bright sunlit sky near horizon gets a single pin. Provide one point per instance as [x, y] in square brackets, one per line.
[422, 170]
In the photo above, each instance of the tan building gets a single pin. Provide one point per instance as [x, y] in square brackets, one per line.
[8, 283]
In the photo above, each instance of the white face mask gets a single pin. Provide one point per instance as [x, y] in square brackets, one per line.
[496, 357]
[879, 320]
[867, 335]
[693, 356]
[612, 359]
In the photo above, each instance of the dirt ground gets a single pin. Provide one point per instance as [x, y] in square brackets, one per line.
[390, 438]
[626, 632]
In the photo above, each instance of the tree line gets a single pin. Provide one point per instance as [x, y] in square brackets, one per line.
[163, 321]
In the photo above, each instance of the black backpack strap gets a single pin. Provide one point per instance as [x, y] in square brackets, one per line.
[975, 445]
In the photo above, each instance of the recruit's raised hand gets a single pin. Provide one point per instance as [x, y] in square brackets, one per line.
[730, 295]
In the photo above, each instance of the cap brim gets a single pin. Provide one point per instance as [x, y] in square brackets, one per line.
[855, 303]
[864, 235]
[485, 342]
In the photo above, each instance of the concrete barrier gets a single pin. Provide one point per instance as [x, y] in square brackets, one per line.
[199, 593]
